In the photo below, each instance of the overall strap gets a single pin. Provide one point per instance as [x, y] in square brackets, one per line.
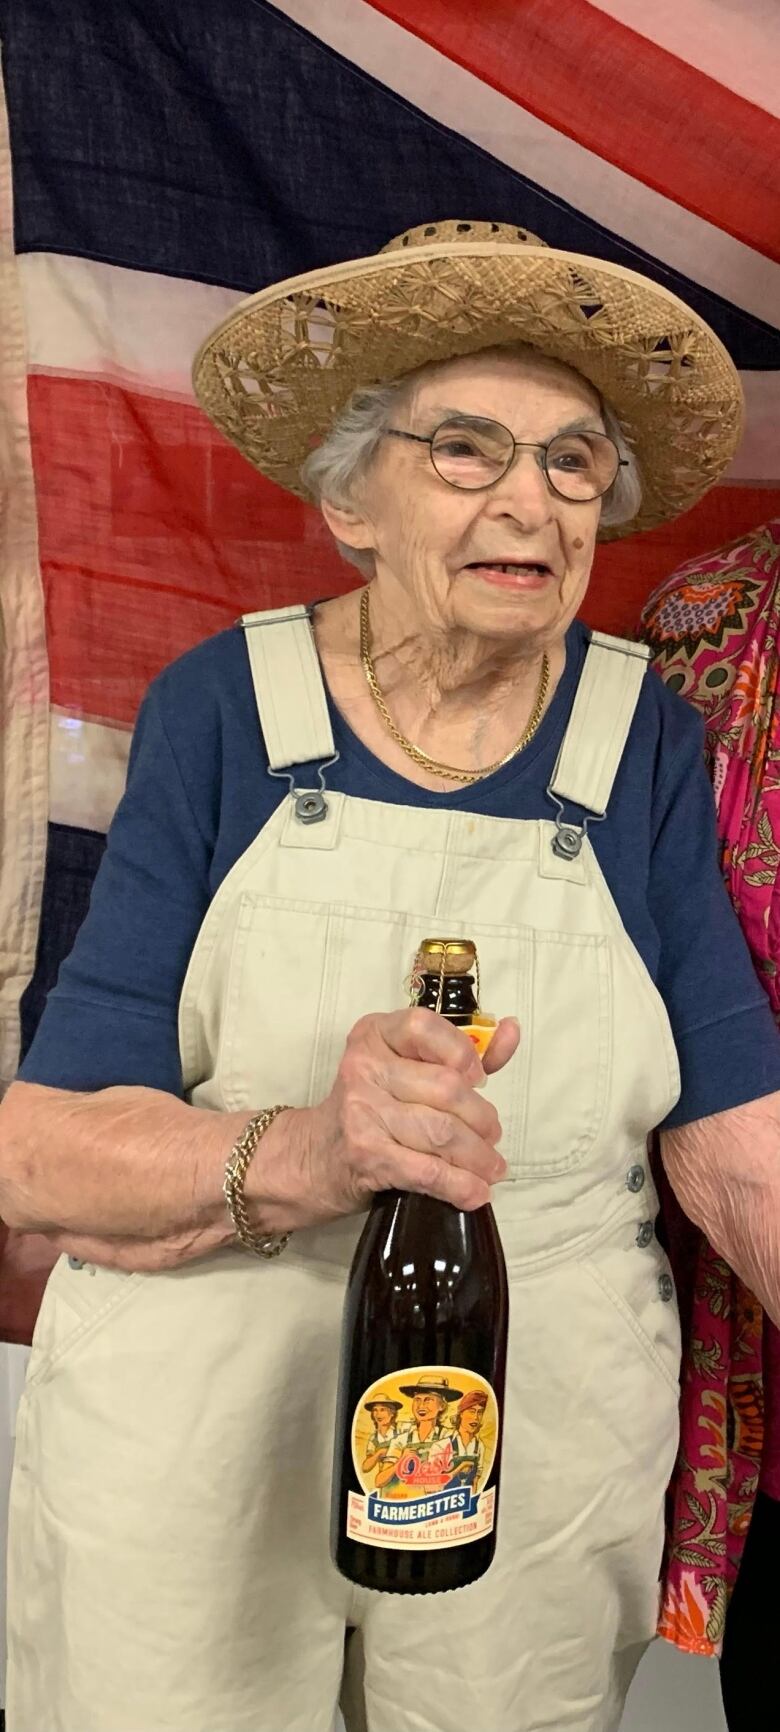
[289, 689]
[603, 711]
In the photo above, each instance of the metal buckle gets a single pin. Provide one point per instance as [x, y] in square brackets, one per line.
[298, 611]
[603, 640]
[568, 839]
[309, 804]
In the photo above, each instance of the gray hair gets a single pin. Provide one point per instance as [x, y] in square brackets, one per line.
[334, 468]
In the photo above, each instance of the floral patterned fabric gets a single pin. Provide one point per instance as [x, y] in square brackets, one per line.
[714, 627]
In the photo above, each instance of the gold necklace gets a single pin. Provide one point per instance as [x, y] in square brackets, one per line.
[446, 770]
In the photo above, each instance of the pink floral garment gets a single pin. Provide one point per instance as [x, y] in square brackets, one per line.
[714, 627]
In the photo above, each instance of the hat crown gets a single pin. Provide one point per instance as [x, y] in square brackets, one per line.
[452, 232]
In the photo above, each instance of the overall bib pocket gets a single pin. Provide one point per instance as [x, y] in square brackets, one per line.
[301, 974]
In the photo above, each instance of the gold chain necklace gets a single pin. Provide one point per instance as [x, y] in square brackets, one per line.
[446, 770]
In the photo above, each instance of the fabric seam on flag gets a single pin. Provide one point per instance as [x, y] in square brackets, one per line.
[25, 743]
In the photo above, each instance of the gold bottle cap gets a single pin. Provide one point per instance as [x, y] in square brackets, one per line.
[447, 955]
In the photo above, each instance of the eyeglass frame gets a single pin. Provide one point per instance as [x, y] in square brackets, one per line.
[517, 445]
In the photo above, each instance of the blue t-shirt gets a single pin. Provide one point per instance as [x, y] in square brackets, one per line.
[199, 791]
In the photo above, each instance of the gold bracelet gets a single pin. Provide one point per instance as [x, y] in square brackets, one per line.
[267, 1244]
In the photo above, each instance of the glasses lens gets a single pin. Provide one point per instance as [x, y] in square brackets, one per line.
[472, 452]
[582, 465]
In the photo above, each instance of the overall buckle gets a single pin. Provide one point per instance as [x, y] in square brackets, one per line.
[309, 804]
[568, 839]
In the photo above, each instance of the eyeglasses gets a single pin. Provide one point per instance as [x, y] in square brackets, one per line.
[473, 452]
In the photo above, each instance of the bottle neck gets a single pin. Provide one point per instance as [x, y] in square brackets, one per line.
[453, 996]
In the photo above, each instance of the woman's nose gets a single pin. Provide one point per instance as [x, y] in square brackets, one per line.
[523, 492]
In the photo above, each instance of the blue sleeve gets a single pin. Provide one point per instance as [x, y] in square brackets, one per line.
[727, 1040]
[112, 1017]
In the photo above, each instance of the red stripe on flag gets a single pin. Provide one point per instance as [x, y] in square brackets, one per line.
[154, 534]
[621, 96]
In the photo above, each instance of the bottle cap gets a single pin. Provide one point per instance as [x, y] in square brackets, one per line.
[447, 955]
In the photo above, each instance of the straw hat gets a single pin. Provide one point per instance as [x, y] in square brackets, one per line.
[275, 373]
[427, 1385]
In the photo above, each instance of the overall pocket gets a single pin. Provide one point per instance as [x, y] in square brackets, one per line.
[630, 1280]
[552, 1098]
[301, 974]
[77, 1304]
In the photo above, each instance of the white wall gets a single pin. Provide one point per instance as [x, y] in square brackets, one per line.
[671, 1692]
[674, 1693]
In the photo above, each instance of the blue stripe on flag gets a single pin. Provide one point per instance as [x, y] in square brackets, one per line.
[72, 860]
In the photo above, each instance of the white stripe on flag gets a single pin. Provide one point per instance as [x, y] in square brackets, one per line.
[25, 671]
[87, 770]
[125, 326]
[758, 457]
[561, 166]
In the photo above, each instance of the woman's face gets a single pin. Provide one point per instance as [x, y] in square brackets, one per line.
[383, 1417]
[436, 547]
[471, 1422]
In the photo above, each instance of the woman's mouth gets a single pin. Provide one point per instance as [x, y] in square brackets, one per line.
[520, 575]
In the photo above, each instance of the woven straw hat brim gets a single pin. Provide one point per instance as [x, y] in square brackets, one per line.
[275, 373]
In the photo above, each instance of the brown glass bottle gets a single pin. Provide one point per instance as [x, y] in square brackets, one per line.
[415, 1493]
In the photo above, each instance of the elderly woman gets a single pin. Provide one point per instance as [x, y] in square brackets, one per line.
[308, 796]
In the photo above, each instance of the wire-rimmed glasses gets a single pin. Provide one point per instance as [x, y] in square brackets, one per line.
[472, 452]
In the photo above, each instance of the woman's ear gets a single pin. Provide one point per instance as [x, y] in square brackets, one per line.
[349, 525]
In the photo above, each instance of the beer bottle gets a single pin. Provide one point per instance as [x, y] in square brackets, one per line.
[421, 1387]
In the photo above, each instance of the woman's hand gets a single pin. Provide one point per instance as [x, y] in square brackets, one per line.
[403, 1114]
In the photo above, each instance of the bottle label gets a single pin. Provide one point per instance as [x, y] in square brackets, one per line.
[424, 1442]
[480, 1031]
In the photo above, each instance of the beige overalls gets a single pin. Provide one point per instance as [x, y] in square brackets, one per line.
[169, 1545]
